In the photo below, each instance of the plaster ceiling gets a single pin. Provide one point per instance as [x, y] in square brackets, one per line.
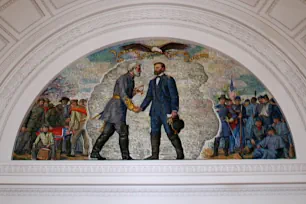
[21, 18]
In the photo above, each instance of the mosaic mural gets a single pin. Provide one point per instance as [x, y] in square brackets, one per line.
[154, 99]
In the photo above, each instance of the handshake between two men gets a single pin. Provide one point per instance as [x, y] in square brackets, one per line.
[162, 93]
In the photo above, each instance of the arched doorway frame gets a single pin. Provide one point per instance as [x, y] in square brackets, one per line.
[265, 56]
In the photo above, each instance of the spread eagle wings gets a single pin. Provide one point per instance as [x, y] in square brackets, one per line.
[163, 48]
[137, 46]
[173, 46]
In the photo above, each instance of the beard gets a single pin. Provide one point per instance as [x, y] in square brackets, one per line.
[137, 74]
[157, 72]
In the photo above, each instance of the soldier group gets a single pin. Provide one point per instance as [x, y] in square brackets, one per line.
[255, 129]
[36, 131]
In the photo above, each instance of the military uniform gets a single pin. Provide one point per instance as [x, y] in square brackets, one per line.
[114, 116]
[271, 147]
[163, 96]
[282, 130]
[54, 118]
[225, 133]
[239, 131]
[257, 134]
[264, 111]
[33, 123]
[250, 112]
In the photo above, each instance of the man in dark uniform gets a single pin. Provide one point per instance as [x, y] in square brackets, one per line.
[240, 111]
[276, 111]
[54, 117]
[163, 94]
[225, 133]
[114, 113]
[258, 133]
[32, 124]
[271, 147]
[65, 107]
[64, 110]
[283, 131]
[264, 111]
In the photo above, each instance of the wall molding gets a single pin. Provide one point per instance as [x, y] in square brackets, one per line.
[163, 191]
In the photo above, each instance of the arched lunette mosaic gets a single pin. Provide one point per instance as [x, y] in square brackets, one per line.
[98, 108]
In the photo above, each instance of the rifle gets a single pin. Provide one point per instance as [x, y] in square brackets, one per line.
[241, 147]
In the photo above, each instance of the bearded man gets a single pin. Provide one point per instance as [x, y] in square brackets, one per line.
[163, 94]
[114, 113]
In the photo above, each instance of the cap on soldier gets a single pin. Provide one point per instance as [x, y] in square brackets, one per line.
[222, 97]
[64, 99]
[238, 98]
[271, 128]
[45, 126]
[258, 119]
[40, 99]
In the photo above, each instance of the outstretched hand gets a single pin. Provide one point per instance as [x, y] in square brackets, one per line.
[137, 109]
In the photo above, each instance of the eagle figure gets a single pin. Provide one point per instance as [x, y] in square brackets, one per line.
[154, 49]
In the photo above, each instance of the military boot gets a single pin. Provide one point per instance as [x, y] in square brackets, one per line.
[226, 146]
[155, 143]
[100, 142]
[177, 144]
[124, 142]
[216, 147]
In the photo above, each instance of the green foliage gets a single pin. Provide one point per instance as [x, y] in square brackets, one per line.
[252, 84]
[226, 88]
[102, 56]
[195, 50]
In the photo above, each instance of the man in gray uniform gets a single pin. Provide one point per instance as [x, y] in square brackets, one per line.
[114, 113]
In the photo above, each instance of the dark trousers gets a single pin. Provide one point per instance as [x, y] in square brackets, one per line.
[156, 122]
[108, 131]
[217, 143]
[24, 142]
[63, 145]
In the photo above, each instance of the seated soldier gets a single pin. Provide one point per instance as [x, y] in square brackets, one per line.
[44, 140]
[283, 131]
[258, 132]
[271, 147]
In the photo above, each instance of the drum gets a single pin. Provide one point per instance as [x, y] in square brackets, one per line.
[43, 154]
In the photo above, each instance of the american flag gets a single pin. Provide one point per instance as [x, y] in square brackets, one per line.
[232, 93]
